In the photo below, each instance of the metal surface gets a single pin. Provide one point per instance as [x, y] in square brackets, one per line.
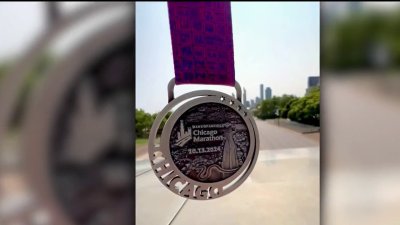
[209, 142]
[160, 155]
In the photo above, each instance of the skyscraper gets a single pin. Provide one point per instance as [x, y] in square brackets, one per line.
[312, 82]
[262, 92]
[268, 93]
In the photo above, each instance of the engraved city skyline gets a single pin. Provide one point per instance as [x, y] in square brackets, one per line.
[223, 149]
[183, 136]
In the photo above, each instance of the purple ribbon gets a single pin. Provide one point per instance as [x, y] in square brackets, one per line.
[202, 42]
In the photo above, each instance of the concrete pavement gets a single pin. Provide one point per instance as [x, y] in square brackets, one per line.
[141, 152]
[282, 189]
[293, 125]
[275, 137]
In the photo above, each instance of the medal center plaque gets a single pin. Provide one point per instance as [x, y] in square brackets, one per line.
[209, 142]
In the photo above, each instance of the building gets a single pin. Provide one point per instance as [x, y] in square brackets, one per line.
[258, 100]
[268, 93]
[262, 92]
[312, 82]
[246, 103]
[252, 105]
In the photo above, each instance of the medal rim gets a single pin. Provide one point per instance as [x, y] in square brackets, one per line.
[192, 96]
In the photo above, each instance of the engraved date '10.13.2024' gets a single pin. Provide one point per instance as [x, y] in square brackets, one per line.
[209, 142]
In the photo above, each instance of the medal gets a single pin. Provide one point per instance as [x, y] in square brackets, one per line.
[209, 144]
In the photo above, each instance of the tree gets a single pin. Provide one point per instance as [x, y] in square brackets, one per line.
[286, 108]
[351, 43]
[303, 110]
[143, 122]
[269, 107]
[306, 109]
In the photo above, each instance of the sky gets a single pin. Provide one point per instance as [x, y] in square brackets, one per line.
[276, 44]
[19, 31]
[24, 22]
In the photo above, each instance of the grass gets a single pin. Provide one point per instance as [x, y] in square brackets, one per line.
[141, 141]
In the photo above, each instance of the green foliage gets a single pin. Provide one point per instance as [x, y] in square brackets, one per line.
[285, 109]
[268, 108]
[141, 141]
[303, 110]
[306, 109]
[144, 121]
[347, 44]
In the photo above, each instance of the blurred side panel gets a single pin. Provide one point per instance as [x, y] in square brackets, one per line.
[360, 57]
[66, 106]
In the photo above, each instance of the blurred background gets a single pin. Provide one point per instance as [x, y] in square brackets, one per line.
[66, 129]
[360, 62]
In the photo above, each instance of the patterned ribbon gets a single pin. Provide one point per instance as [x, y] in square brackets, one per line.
[202, 42]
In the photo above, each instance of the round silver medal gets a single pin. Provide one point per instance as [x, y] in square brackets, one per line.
[208, 146]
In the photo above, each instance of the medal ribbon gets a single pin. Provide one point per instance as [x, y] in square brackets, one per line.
[202, 42]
